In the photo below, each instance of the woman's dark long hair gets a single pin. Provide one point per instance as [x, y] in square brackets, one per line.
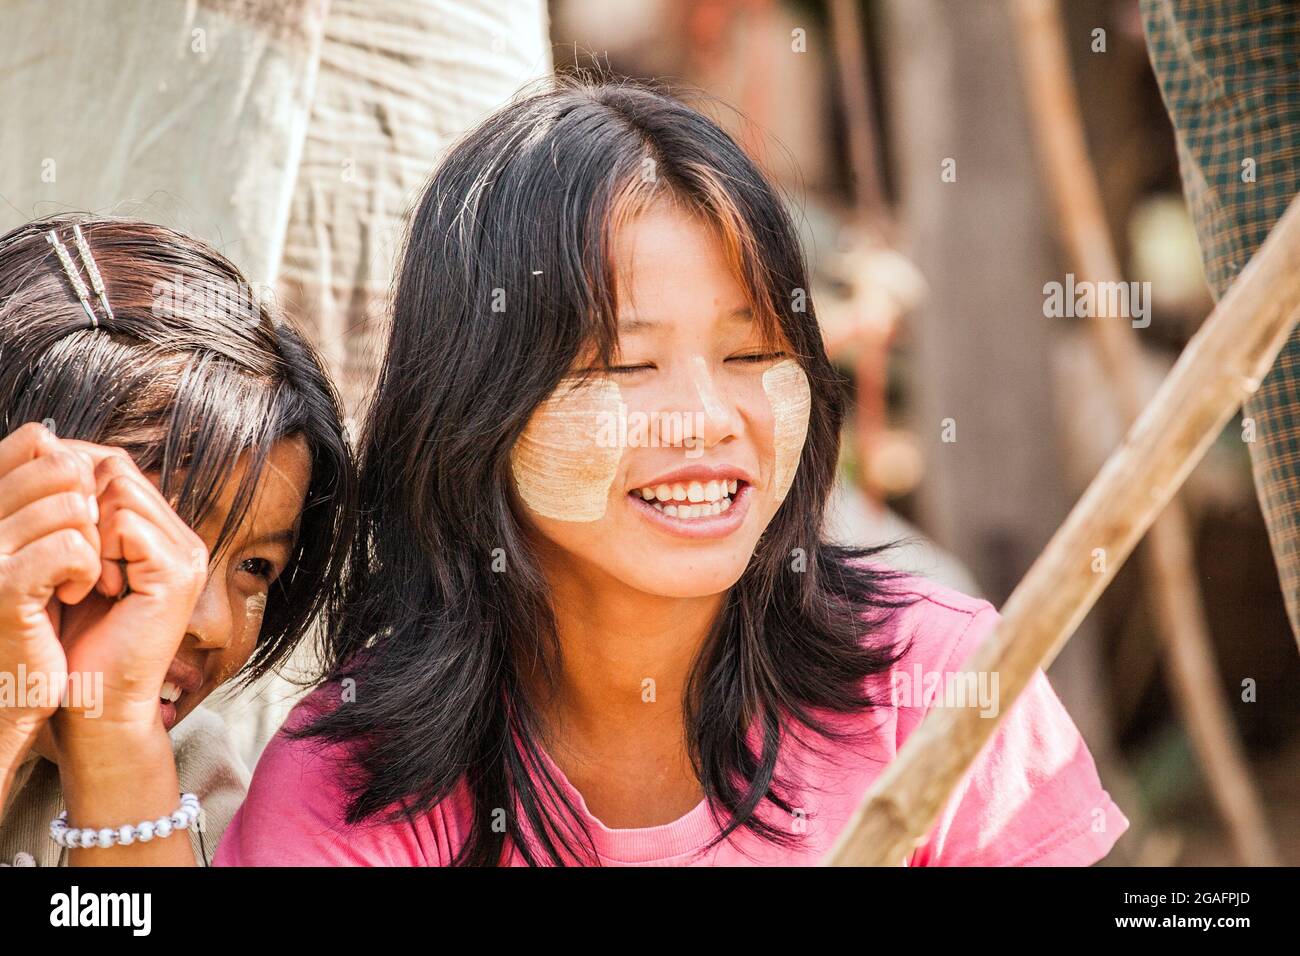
[505, 280]
[190, 373]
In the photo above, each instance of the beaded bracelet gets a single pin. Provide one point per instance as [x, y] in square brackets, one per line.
[163, 827]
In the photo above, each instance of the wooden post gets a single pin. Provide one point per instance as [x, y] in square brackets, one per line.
[1221, 366]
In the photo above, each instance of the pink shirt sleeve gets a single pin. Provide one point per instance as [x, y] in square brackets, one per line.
[293, 815]
[1033, 797]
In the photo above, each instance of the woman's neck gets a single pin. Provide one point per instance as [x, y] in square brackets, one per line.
[615, 713]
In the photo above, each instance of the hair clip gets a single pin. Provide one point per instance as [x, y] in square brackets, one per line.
[92, 270]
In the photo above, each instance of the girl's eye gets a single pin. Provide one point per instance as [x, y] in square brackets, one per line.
[760, 357]
[259, 567]
[626, 369]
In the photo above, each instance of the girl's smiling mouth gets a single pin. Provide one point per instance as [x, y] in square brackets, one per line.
[182, 678]
[696, 502]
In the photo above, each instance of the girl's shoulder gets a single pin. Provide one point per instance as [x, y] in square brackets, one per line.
[935, 625]
[296, 810]
[202, 739]
[1033, 795]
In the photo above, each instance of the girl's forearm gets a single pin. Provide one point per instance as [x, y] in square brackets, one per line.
[116, 776]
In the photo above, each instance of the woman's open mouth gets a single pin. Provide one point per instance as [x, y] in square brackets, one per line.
[171, 693]
[182, 678]
[694, 509]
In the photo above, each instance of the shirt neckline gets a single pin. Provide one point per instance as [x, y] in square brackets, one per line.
[684, 836]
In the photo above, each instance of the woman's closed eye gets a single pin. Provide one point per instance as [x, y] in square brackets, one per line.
[755, 358]
[628, 369]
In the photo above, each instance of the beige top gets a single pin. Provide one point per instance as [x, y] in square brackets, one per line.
[206, 765]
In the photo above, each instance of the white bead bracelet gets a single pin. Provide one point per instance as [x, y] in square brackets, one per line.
[87, 837]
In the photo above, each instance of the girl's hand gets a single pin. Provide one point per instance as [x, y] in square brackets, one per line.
[152, 572]
[49, 548]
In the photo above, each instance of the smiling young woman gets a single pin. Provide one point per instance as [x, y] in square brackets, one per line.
[554, 648]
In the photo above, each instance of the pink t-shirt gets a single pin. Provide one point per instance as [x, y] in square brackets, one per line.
[1031, 799]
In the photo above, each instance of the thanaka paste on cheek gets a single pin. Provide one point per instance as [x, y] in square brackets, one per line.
[787, 391]
[561, 470]
[254, 609]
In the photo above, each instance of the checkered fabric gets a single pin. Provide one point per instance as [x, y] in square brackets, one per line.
[1229, 71]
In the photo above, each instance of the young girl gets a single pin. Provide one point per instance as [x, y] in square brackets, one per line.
[590, 618]
[174, 488]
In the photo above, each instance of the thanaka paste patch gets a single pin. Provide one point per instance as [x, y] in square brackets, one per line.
[788, 393]
[561, 469]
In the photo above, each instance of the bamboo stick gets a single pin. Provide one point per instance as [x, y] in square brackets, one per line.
[1222, 365]
[1168, 558]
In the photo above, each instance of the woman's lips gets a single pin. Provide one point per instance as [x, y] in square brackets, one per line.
[168, 710]
[184, 675]
[182, 678]
[713, 526]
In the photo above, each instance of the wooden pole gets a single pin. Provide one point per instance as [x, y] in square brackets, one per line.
[856, 100]
[873, 231]
[1222, 365]
[1168, 557]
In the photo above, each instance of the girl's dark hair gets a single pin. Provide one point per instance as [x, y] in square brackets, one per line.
[191, 372]
[523, 209]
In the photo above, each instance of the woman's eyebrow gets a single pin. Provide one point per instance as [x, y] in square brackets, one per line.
[283, 536]
[637, 325]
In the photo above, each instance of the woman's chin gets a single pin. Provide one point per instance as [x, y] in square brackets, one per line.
[693, 581]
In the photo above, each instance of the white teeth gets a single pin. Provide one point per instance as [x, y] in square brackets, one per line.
[707, 510]
[696, 499]
[170, 692]
[695, 492]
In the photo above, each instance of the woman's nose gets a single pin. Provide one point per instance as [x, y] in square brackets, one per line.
[708, 411]
[210, 623]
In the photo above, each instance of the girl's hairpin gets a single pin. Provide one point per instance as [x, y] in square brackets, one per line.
[92, 270]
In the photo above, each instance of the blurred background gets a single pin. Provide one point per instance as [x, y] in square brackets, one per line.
[295, 135]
